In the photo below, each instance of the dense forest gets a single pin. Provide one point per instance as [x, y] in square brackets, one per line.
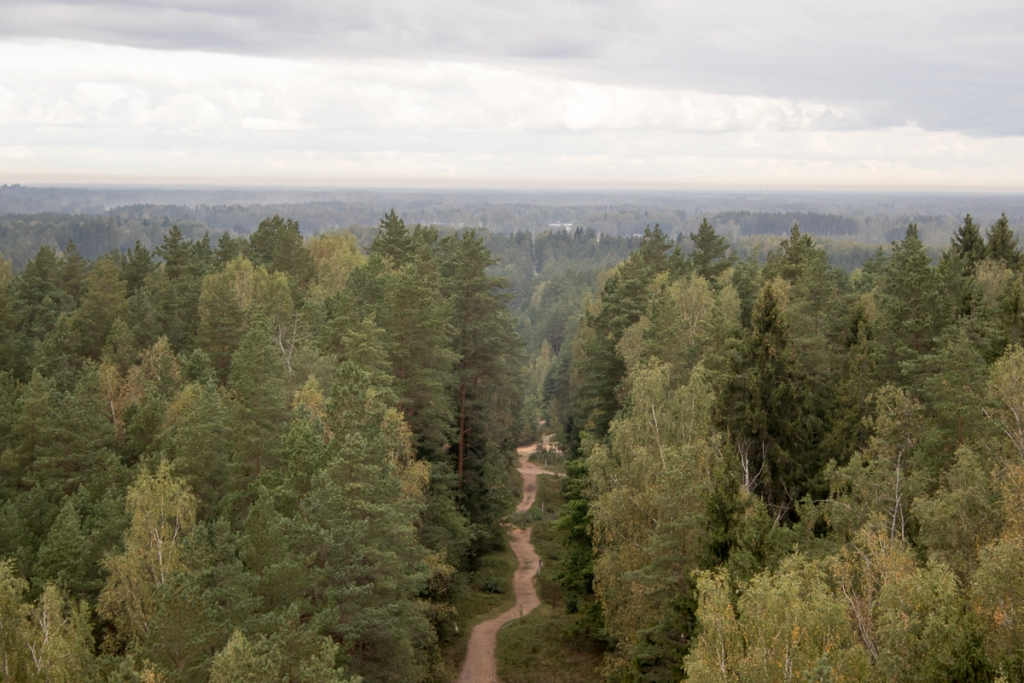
[287, 458]
[266, 460]
[784, 472]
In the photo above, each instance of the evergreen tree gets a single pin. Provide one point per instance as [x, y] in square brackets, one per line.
[774, 428]
[624, 299]
[406, 293]
[488, 362]
[1001, 244]
[73, 270]
[393, 240]
[136, 265]
[968, 244]
[178, 295]
[710, 254]
[257, 384]
[221, 322]
[340, 528]
[277, 244]
[910, 313]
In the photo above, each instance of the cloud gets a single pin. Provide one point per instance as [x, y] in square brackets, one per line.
[67, 86]
[941, 64]
[792, 93]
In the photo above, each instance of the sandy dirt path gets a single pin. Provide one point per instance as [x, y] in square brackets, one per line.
[480, 665]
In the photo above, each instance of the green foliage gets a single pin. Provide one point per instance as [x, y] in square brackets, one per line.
[285, 460]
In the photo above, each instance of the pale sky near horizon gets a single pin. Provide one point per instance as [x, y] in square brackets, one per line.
[452, 93]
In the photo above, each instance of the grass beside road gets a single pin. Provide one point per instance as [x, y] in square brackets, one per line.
[476, 600]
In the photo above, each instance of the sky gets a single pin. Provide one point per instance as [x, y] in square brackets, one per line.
[651, 94]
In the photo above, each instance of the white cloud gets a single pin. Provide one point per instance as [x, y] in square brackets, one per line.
[947, 65]
[74, 84]
[72, 111]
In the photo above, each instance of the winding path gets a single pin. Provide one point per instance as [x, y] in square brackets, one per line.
[480, 665]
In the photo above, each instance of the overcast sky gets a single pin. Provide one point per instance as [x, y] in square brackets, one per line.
[538, 93]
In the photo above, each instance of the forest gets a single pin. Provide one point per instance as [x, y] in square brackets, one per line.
[285, 458]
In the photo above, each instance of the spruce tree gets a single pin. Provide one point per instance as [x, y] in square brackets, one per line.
[136, 265]
[910, 314]
[710, 254]
[1001, 244]
[968, 243]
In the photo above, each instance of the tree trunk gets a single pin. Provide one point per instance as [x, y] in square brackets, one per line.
[462, 430]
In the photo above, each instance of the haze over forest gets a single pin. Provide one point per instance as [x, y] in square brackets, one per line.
[111, 217]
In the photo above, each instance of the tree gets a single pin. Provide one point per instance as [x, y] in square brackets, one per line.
[48, 642]
[38, 302]
[136, 265]
[968, 243]
[1001, 244]
[910, 316]
[910, 620]
[624, 299]
[73, 270]
[393, 241]
[335, 541]
[221, 321]
[787, 626]
[335, 256]
[879, 482]
[710, 254]
[405, 291]
[163, 513]
[277, 244]
[997, 585]
[487, 356]
[94, 319]
[962, 516]
[257, 384]
[774, 428]
[651, 485]
[177, 293]
[1006, 389]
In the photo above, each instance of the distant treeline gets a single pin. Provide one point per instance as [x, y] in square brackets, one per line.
[763, 223]
[609, 235]
[21, 235]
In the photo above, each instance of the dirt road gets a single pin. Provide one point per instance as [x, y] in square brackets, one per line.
[480, 665]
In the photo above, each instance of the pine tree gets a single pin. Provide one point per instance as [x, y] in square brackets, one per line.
[178, 298]
[73, 271]
[393, 240]
[406, 293]
[488, 359]
[221, 322]
[335, 541]
[175, 253]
